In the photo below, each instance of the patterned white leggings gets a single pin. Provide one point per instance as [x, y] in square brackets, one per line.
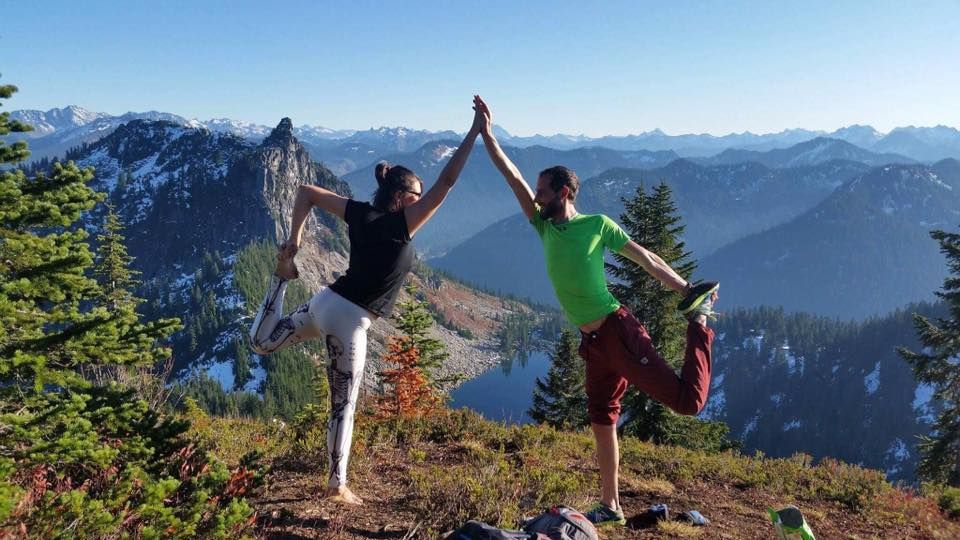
[344, 326]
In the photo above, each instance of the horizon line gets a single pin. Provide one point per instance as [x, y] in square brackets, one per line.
[559, 134]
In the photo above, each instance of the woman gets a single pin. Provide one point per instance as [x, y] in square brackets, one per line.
[380, 258]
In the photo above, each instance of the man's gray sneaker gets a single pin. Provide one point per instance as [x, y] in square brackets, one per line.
[602, 514]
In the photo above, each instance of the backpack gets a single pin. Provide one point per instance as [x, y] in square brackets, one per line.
[475, 530]
[558, 523]
[561, 523]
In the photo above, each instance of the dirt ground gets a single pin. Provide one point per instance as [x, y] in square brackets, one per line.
[290, 507]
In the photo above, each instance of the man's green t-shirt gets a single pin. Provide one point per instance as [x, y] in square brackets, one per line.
[574, 252]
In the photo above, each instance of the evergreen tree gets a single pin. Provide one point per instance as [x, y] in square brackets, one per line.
[75, 456]
[653, 222]
[561, 400]
[112, 269]
[414, 320]
[18, 150]
[241, 365]
[937, 365]
[116, 280]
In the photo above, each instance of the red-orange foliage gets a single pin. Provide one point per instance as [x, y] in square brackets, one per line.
[409, 393]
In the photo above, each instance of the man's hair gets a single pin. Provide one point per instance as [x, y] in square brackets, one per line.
[560, 176]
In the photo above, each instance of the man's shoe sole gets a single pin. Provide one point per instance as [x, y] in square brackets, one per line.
[699, 299]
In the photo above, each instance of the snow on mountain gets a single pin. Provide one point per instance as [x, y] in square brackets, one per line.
[47, 122]
[237, 127]
[857, 400]
[258, 132]
[871, 382]
[143, 156]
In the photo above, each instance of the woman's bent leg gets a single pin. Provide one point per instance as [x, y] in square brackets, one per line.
[270, 332]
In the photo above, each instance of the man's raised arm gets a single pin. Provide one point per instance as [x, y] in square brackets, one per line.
[506, 167]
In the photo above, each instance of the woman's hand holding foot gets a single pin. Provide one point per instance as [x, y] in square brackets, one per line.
[286, 267]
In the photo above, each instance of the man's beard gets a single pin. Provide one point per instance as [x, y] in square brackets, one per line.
[552, 209]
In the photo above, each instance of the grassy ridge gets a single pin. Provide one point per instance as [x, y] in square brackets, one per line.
[434, 474]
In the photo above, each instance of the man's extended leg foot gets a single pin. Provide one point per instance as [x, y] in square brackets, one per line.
[697, 306]
[698, 293]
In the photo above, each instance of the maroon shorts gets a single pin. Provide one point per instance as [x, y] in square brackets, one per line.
[621, 352]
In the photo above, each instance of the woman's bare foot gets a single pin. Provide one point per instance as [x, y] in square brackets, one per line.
[286, 268]
[342, 494]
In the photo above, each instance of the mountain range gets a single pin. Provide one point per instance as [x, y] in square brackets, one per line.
[865, 250]
[203, 213]
[739, 205]
[69, 126]
[833, 224]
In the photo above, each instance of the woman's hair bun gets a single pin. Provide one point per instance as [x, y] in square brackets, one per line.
[381, 172]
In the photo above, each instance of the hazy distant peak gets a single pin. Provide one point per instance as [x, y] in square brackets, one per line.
[52, 120]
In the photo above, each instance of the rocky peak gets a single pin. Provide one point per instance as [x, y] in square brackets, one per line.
[282, 135]
[280, 165]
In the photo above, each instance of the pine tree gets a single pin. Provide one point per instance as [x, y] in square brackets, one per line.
[937, 365]
[18, 150]
[414, 321]
[561, 400]
[76, 456]
[241, 365]
[117, 280]
[653, 222]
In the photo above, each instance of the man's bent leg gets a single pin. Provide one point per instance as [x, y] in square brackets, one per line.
[644, 368]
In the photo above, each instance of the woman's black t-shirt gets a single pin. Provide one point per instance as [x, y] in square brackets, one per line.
[380, 257]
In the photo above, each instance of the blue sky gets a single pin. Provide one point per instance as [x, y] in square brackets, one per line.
[544, 67]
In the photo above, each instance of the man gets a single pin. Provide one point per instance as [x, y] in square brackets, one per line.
[616, 348]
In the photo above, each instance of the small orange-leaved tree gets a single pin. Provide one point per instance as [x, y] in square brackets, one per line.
[409, 393]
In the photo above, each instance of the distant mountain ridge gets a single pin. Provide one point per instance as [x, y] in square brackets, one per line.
[863, 251]
[812, 152]
[839, 239]
[918, 143]
[47, 122]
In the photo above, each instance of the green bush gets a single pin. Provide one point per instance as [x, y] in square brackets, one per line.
[948, 498]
